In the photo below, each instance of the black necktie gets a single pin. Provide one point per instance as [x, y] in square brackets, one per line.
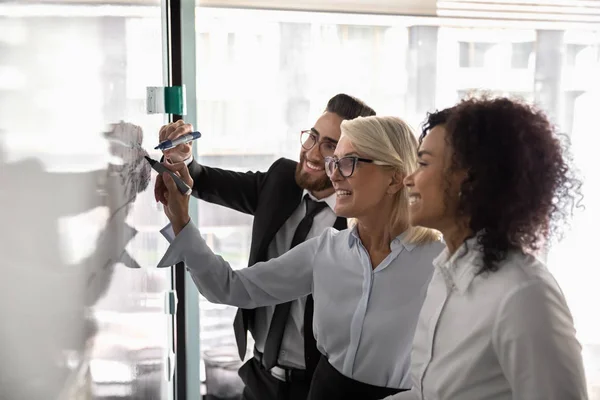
[282, 311]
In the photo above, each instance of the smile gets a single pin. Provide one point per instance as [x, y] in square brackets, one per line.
[414, 199]
[313, 166]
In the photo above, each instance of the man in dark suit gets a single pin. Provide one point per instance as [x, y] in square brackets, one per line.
[291, 202]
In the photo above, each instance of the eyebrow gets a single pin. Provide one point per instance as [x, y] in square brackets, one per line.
[422, 153]
[325, 138]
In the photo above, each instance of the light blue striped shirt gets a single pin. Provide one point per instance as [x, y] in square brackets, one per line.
[364, 319]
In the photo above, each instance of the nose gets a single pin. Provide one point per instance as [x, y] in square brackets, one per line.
[314, 154]
[409, 181]
[335, 175]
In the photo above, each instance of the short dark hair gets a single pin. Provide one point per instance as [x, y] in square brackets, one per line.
[520, 187]
[348, 107]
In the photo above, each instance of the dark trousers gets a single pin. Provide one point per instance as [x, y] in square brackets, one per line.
[261, 385]
[329, 384]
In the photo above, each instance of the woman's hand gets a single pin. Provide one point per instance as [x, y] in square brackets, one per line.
[176, 205]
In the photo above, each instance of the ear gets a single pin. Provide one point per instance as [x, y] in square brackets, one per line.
[396, 183]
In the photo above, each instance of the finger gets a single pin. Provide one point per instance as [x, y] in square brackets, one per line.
[185, 148]
[180, 130]
[159, 189]
[166, 200]
[179, 153]
[170, 184]
[167, 154]
[164, 132]
[181, 170]
[173, 167]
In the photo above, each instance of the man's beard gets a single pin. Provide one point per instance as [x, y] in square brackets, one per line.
[303, 179]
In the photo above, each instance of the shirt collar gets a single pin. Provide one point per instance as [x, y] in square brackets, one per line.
[330, 200]
[398, 241]
[460, 269]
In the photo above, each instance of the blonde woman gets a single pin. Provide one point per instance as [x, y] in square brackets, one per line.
[368, 282]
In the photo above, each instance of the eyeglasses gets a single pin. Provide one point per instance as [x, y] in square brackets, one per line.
[346, 165]
[309, 138]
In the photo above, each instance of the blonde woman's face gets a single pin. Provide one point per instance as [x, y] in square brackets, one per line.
[364, 188]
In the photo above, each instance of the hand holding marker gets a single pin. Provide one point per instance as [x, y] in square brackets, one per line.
[181, 185]
[169, 144]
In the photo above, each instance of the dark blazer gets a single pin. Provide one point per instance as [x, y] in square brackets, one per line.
[271, 197]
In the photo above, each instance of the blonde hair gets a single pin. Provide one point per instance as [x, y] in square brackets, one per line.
[392, 141]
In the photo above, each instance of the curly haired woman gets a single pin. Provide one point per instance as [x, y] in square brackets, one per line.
[494, 179]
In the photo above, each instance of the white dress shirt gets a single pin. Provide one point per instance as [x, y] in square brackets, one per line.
[501, 335]
[291, 353]
[364, 318]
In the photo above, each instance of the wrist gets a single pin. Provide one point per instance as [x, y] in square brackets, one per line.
[179, 224]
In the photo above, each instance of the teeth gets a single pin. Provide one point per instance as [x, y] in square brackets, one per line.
[314, 166]
[413, 199]
[343, 192]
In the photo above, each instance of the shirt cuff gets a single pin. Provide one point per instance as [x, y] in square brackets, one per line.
[188, 160]
[168, 232]
[178, 244]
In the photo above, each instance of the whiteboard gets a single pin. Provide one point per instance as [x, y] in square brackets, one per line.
[45, 299]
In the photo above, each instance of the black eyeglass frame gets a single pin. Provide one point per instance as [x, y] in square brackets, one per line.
[314, 135]
[355, 160]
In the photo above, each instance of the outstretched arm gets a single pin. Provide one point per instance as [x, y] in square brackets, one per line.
[235, 190]
[272, 282]
[276, 281]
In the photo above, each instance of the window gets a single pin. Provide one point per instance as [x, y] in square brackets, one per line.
[303, 59]
[473, 54]
[522, 54]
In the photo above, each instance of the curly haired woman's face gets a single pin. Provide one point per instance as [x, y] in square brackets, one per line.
[434, 192]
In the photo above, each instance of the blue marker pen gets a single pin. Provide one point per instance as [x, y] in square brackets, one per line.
[169, 144]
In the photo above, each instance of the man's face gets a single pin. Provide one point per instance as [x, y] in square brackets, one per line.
[310, 172]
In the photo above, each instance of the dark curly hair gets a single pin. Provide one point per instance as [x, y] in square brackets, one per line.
[519, 187]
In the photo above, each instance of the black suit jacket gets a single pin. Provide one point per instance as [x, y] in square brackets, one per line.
[271, 197]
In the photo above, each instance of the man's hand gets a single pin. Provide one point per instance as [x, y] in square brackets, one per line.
[176, 204]
[173, 131]
[174, 155]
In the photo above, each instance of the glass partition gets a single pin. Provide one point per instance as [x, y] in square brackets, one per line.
[81, 303]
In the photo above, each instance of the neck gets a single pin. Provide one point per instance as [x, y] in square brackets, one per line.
[321, 194]
[455, 235]
[376, 232]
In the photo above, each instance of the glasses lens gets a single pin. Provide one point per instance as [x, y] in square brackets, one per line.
[346, 166]
[327, 149]
[307, 138]
[329, 166]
